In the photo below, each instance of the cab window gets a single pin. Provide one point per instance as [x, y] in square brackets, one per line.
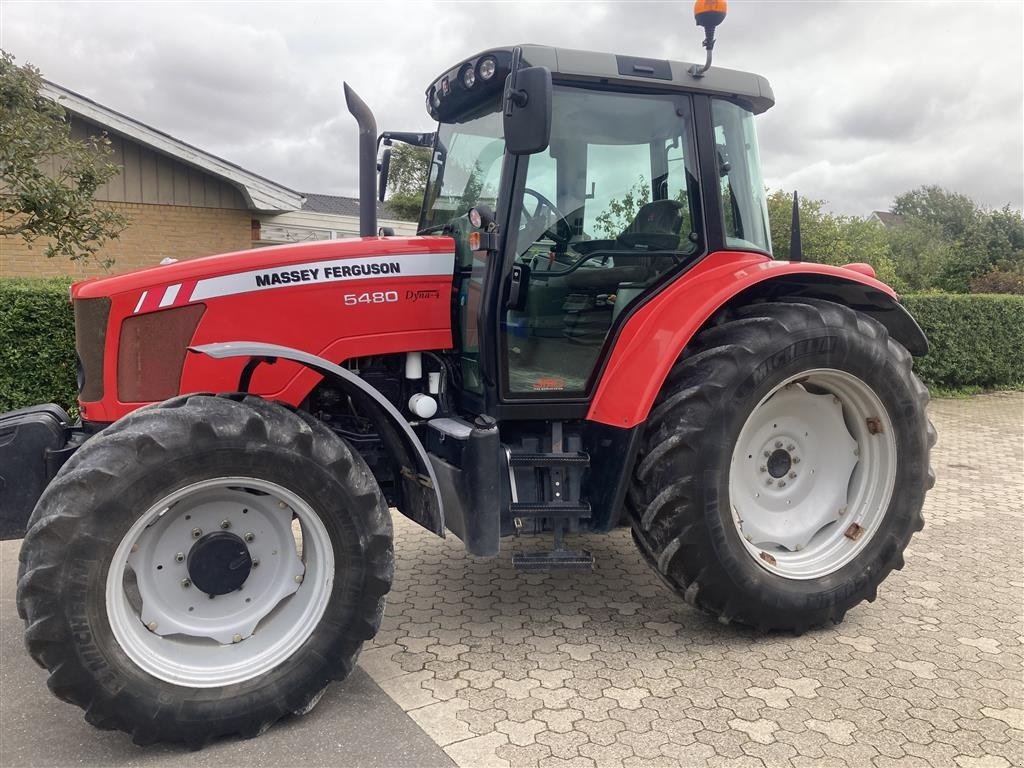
[608, 210]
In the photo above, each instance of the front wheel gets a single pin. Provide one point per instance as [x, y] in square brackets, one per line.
[784, 467]
[204, 567]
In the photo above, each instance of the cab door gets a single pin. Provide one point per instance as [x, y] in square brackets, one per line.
[609, 211]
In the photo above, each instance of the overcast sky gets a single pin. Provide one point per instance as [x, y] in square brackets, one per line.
[872, 98]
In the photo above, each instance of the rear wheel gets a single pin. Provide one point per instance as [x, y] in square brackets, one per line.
[784, 466]
[204, 567]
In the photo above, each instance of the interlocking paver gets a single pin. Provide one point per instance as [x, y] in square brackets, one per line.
[610, 669]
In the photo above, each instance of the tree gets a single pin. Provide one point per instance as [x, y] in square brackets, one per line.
[953, 213]
[407, 180]
[976, 242]
[827, 238]
[621, 212]
[55, 202]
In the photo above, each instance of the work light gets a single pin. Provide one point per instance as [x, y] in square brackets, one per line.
[487, 67]
[468, 76]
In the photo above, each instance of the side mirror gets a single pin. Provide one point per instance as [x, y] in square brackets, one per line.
[382, 169]
[527, 121]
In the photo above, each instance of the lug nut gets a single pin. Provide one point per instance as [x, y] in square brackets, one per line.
[180, 557]
[225, 524]
[249, 536]
[782, 483]
[790, 447]
[762, 468]
[185, 583]
[255, 563]
[767, 454]
[796, 459]
[778, 443]
[768, 482]
[792, 475]
[197, 532]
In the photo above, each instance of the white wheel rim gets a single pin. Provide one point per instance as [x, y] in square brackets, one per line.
[812, 474]
[172, 630]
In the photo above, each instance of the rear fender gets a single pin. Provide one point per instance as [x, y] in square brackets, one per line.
[657, 332]
[427, 508]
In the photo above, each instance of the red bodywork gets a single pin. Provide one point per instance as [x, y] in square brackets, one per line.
[310, 314]
[656, 334]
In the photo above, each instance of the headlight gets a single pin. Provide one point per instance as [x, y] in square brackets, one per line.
[487, 67]
[468, 76]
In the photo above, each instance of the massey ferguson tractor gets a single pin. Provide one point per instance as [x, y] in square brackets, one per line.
[589, 330]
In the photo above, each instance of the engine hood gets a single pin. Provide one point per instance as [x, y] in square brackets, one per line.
[254, 260]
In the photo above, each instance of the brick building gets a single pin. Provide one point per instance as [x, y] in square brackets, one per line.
[182, 202]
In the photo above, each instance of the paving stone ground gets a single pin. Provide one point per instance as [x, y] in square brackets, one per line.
[611, 669]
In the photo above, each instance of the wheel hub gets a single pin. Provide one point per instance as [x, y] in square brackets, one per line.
[219, 563]
[779, 463]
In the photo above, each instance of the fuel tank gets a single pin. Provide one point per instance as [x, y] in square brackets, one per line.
[336, 299]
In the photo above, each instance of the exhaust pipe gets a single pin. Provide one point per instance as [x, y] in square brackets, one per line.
[367, 162]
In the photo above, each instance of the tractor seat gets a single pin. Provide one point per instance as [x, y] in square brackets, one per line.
[656, 226]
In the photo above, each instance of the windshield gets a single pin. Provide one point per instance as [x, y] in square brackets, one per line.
[465, 169]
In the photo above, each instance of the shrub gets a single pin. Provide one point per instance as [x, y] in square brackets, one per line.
[1000, 281]
[37, 344]
[975, 340]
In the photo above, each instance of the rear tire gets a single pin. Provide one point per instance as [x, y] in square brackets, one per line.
[107, 522]
[706, 506]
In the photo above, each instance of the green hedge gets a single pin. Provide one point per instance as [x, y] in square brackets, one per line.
[976, 341]
[37, 344]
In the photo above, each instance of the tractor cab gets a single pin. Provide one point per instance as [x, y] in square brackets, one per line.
[576, 186]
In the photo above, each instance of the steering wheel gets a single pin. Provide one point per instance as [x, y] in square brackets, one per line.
[560, 231]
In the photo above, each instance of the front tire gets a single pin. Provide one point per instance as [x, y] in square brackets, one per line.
[203, 568]
[784, 466]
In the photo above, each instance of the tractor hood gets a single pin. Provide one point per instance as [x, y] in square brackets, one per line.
[336, 299]
[256, 260]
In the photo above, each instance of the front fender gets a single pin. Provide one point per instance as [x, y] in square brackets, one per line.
[432, 521]
[656, 333]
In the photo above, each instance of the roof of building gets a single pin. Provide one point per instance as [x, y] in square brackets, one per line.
[340, 205]
[260, 193]
[887, 218]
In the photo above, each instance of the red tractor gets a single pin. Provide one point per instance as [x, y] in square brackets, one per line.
[589, 330]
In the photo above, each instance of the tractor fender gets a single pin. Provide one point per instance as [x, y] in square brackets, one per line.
[430, 517]
[655, 334]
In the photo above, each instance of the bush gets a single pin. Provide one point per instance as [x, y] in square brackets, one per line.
[975, 340]
[1000, 281]
[37, 344]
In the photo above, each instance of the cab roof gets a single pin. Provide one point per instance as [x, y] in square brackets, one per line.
[597, 67]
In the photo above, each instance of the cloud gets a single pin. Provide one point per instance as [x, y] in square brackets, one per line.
[872, 99]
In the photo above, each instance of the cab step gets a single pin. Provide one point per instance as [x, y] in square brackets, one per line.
[550, 509]
[557, 560]
[576, 458]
